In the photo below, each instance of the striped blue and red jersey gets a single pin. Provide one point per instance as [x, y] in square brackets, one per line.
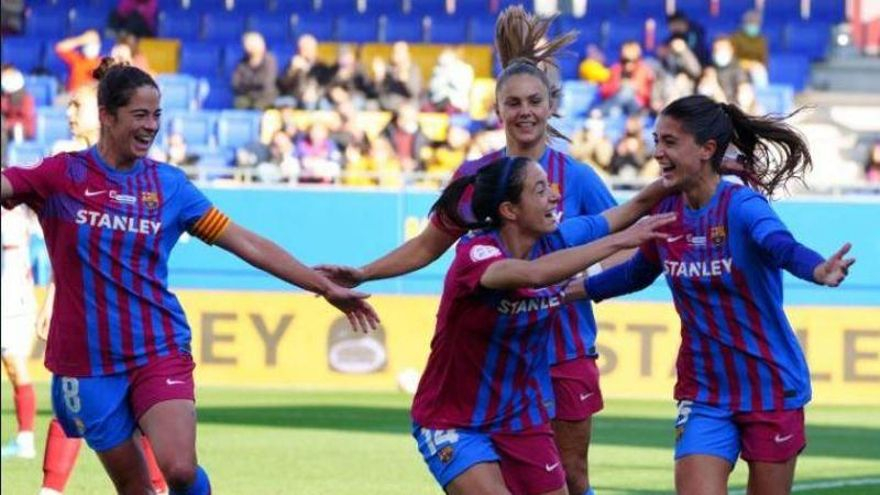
[738, 350]
[489, 368]
[109, 234]
[583, 193]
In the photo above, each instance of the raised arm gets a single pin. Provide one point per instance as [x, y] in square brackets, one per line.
[560, 265]
[269, 257]
[412, 255]
[622, 216]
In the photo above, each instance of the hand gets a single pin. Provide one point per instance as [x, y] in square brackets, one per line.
[678, 45]
[346, 276]
[360, 314]
[832, 271]
[645, 230]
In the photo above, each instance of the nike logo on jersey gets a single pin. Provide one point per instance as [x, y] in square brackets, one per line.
[551, 467]
[712, 268]
[118, 222]
[89, 194]
[673, 238]
[586, 396]
[779, 439]
[169, 381]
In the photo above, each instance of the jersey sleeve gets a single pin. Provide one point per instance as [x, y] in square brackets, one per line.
[32, 185]
[471, 262]
[595, 196]
[632, 276]
[583, 229]
[753, 213]
[199, 217]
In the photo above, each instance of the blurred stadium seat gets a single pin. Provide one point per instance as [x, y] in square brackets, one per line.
[24, 53]
[51, 125]
[238, 127]
[83, 18]
[47, 22]
[26, 154]
[782, 10]
[481, 29]
[776, 99]
[181, 24]
[447, 29]
[275, 27]
[789, 69]
[403, 27]
[200, 59]
[42, 88]
[197, 128]
[321, 26]
[179, 91]
[810, 38]
[646, 8]
[223, 27]
[833, 11]
[357, 28]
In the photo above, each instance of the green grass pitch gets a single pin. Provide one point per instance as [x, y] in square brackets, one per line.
[272, 441]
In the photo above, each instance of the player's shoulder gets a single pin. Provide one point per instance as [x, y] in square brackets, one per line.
[470, 167]
[579, 170]
[478, 245]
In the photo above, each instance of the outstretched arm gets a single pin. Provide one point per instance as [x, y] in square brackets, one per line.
[269, 257]
[409, 257]
[622, 216]
[560, 265]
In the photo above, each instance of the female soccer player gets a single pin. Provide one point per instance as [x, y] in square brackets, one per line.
[119, 344]
[742, 377]
[482, 410]
[526, 97]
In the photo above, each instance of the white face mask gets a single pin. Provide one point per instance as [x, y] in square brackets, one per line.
[12, 81]
[722, 59]
[91, 50]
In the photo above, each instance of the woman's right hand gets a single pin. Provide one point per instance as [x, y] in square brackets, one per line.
[346, 276]
[646, 229]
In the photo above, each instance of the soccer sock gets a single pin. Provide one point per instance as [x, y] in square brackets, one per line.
[590, 491]
[25, 407]
[200, 486]
[156, 477]
[60, 457]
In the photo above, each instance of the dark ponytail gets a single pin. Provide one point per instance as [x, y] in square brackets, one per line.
[495, 183]
[772, 152]
[117, 82]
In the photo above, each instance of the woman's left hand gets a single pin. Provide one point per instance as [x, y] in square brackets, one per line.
[832, 271]
[360, 314]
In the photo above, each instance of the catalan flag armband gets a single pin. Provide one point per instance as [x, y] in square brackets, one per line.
[210, 226]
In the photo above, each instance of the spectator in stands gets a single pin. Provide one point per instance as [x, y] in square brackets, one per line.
[750, 47]
[178, 152]
[127, 49]
[397, 82]
[872, 164]
[693, 34]
[304, 73]
[11, 16]
[358, 166]
[726, 81]
[137, 17]
[676, 74]
[592, 68]
[384, 163]
[631, 151]
[590, 144]
[82, 55]
[319, 157]
[17, 106]
[406, 137]
[451, 153]
[449, 89]
[350, 82]
[253, 80]
[629, 88]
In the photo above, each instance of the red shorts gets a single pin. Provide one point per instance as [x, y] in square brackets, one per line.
[772, 436]
[530, 461]
[167, 378]
[576, 387]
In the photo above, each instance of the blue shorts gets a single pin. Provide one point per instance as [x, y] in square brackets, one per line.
[94, 408]
[763, 436]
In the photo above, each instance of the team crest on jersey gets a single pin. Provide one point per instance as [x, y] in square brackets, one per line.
[482, 252]
[445, 454]
[150, 199]
[717, 234]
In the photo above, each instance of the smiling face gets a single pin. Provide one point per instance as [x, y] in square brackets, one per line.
[683, 162]
[534, 211]
[524, 107]
[130, 131]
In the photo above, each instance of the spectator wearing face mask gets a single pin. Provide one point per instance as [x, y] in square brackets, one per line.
[728, 76]
[750, 47]
[82, 55]
[629, 88]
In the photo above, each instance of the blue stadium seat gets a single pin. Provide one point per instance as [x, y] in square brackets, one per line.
[357, 28]
[774, 32]
[52, 63]
[589, 32]
[206, 6]
[809, 38]
[503, 4]
[26, 154]
[222, 27]
[400, 27]
[83, 18]
[734, 9]
[274, 27]
[249, 7]
[646, 8]
[833, 11]
[179, 91]
[447, 29]
[283, 54]
[789, 69]
[471, 8]
[24, 53]
[481, 29]
[45, 22]
[200, 59]
[237, 128]
[184, 25]
[197, 128]
[721, 27]
[695, 9]
[568, 67]
[604, 9]
[321, 26]
[621, 31]
[428, 7]
[213, 161]
[232, 54]
[782, 10]
[777, 99]
[220, 95]
[577, 98]
[51, 125]
[42, 88]
[338, 7]
[384, 6]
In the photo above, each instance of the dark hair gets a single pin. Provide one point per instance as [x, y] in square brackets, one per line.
[518, 40]
[117, 81]
[495, 183]
[772, 152]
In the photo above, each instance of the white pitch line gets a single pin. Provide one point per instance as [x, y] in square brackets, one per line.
[822, 485]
